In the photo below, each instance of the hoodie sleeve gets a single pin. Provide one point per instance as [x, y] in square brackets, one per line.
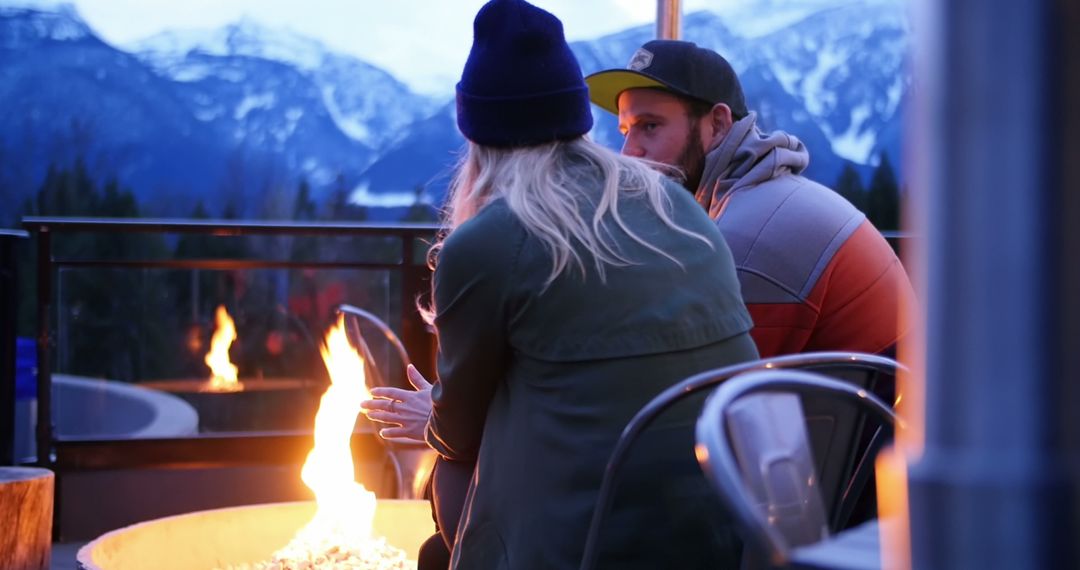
[471, 288]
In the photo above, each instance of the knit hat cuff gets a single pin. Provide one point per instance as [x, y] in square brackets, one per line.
[524, 120]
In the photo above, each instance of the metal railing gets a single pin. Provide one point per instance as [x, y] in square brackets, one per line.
[53, 452]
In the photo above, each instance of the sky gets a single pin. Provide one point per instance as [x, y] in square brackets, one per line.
[437, 33]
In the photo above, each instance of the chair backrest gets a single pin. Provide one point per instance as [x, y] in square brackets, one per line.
[357, 323]
[753, 444]
[768, 433]
[411, 464]
[829, 421]
[869, 371]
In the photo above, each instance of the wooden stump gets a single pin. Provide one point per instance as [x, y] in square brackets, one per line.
[26, 507]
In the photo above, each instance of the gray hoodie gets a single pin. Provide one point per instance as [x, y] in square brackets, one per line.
[814, 272]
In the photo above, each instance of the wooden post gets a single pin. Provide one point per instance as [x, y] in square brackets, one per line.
[26, 507]
[668, 19]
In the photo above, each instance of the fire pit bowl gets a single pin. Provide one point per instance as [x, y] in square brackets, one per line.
[273, 404]
[220, 538]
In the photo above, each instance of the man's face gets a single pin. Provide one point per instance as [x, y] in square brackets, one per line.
[657, 126]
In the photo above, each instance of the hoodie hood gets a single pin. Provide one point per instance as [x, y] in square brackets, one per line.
[745, 158]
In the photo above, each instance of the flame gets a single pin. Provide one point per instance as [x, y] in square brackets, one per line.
[345, 509]
[222, 371]
[328, 471]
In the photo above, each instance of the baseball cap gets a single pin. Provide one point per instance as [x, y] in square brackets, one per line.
[677, 66]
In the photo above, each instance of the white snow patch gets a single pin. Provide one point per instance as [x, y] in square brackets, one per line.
[252, 102]
[208, 114]
[244, 38]
[316, 173]
[362, 196]
[292, 118]
[322, 176]
[233, 75]
[818, 99]
[175, 44]
[857, 143]
[353, 128]
[894, 92]
[754, 22]
[788, 77]
[190, 73]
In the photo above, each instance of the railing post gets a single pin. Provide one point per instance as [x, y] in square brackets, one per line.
[9, 241]
[669, 19]
[44, 335]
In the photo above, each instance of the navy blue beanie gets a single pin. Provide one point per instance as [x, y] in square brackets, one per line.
[521, 85]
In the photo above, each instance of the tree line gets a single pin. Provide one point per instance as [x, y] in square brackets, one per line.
[135, 324]
[880, 201]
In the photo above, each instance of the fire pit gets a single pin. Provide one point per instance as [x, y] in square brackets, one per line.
[225, 403]
[271, 404]
[238, 537]
[346, 527]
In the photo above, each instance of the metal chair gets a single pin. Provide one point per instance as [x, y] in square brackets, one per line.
[866, 370]
[411, 463]
[753, 445]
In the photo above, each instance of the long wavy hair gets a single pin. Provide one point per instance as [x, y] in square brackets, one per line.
[544, 187]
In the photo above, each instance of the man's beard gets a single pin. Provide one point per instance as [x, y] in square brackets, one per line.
[691, 160]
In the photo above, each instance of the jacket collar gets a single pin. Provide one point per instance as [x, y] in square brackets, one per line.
[746, 157]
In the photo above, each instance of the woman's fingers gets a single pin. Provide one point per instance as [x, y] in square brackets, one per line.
[417, 379]
[402, 435]
[369, 405]
[401, 414]
[390, 393]
[384, 417]
[405, 441]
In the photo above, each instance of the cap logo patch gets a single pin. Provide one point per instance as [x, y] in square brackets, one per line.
[642, 58]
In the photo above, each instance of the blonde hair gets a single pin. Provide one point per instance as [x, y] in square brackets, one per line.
[544, 185]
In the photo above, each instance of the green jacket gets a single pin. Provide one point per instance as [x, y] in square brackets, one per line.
[535, 384]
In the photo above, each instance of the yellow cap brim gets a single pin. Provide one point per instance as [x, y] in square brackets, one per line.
[606, 86]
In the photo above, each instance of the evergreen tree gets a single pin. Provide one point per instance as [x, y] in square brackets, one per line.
[112, 317]
[303, 205]
[304, 248]
[419, 211]
[883, 197]
[340, 208]
[119, 202]
[850, 186]
[67, 192]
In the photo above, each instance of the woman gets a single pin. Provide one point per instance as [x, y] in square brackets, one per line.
[573, 286]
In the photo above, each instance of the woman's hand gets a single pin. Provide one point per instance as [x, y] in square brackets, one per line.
[405, 411]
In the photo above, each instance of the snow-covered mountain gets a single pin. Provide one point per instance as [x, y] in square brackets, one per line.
[65, 94]
[233, 112]
[846, 66]
[366, 103]
[834, 78]
[843, 65]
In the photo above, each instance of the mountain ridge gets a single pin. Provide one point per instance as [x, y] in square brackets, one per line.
[250, 110]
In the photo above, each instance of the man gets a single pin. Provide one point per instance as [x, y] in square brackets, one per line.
[815, 273]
